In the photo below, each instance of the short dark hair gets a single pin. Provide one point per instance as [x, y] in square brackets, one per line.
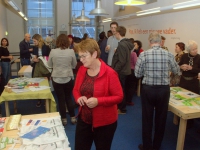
[62, 41]
[121, 30]
[109, 31]
[102, 35]
[163, 38]
[132, 40]
[139, 43]
[181, 45]
[114, 23]
[6, 40]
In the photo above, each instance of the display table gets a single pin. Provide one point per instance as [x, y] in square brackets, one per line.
[14, 133]
[43, 94]
[25, 71]
[185, 113]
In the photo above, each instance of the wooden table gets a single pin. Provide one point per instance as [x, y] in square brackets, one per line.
[43, 94]
[185, 113]
[14, 133]
[25, 71]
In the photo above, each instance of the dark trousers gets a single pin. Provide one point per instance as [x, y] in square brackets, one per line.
[25, 61]
[154, 98]
[130, 86]
[122, 105]
[63, 92]
[86, 134]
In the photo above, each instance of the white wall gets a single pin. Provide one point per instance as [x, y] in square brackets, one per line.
[3, 20]
[15, 26]
[184, 25]
[63, 15]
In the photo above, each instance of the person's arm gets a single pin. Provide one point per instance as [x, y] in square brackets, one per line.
[50, 62]
[24, 49]
[74, 61]
[76, 89]
[174, 66]
[114, 89]
[139, 67]
[121, 52]
[35, 58]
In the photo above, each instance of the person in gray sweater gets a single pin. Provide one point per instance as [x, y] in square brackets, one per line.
[63, 60]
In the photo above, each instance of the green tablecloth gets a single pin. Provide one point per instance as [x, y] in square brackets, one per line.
[43, 94]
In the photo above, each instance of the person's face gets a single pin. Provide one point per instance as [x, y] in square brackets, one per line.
[136, 45]
[28, 38]
[113, 28]
[177, 49]
[109, 34]
[162, 43]
[35, 42]
[4, 42]
[193, 51]
[87, 59]
[70, 40]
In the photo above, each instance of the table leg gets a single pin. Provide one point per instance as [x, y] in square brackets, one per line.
[175, 120]
[7, 109]
[47, 105]
[181, 134]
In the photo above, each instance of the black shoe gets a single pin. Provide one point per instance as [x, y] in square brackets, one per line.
[39, 103]
[141, 147]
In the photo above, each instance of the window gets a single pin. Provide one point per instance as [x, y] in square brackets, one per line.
[41, 17]
[84, 27]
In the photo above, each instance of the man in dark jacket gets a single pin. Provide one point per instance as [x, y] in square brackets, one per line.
[121, 61]
[25, 50]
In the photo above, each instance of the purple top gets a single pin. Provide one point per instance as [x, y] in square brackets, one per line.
[133, 60]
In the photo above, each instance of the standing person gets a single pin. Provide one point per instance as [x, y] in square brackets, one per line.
[162, 44]
[25, 50]
[5, 59]
[138, 47]
[112, 43]
[102, 45]
[154, 64]
[121, 62]
[190, 66]
[109, 33]
[179, 49]
[40, 50]
[131, 81]
[63, 60]
[98, 91]
[85, 36]
[71, 41]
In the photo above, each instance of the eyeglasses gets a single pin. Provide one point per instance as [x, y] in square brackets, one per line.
[83, 56]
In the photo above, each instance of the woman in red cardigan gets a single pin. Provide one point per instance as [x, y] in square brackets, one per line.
[98, 91]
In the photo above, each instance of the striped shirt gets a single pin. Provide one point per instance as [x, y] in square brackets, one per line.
[154, 65]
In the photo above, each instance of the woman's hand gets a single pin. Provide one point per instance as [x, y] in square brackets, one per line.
[36, 60]
[184, 67]
[92, 102]
[81, 100]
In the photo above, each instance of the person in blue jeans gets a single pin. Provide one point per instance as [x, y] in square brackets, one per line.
[25, 50]
[5, 59]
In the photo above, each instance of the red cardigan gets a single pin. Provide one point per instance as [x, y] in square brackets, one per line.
[107, 90]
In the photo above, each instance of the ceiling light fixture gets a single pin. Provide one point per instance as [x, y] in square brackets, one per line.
[73, 21]
[130, 2]
[107, 20]
[186, 4]
[148, 11]
[82, 17]
[14, 5]
[98, 11]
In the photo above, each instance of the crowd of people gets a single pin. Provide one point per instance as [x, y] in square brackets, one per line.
[103, 77]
